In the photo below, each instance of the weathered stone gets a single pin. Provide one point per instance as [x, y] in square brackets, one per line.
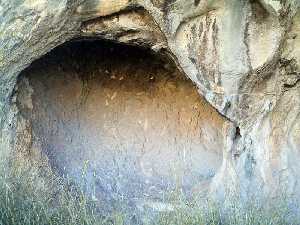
[242, 55]
[143, 129]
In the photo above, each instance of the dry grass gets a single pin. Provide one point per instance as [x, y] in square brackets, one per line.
[20, 205]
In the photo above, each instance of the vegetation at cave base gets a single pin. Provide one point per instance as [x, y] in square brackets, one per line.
[21, 205]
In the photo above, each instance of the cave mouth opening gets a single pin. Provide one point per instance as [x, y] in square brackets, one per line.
[124, 115]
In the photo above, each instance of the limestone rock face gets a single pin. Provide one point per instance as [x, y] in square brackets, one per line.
[243, 56]
[136, 126]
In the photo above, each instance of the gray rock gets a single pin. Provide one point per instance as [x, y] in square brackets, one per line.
[243, 56]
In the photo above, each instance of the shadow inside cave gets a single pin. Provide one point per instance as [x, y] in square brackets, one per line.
[121, 121]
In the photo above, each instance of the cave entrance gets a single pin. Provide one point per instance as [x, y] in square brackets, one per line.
[125, 116]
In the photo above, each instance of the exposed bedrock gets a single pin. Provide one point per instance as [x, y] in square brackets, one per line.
[243, 56]
[134, 124]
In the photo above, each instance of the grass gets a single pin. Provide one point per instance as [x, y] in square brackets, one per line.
[20, 204]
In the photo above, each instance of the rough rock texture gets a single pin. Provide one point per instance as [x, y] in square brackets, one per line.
[242, 55]
[138, 130]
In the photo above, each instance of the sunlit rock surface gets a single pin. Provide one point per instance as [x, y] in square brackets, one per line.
[243, 56]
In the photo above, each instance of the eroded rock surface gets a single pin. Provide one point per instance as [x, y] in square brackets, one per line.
[138, 129]
[242, 55]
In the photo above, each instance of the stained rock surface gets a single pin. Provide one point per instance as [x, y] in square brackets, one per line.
[134, 125]
[243, 56]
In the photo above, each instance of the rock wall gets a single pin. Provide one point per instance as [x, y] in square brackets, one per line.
[242, 55]
[132, 123]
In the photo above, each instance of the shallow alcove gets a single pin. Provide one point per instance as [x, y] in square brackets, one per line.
[121, 120]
